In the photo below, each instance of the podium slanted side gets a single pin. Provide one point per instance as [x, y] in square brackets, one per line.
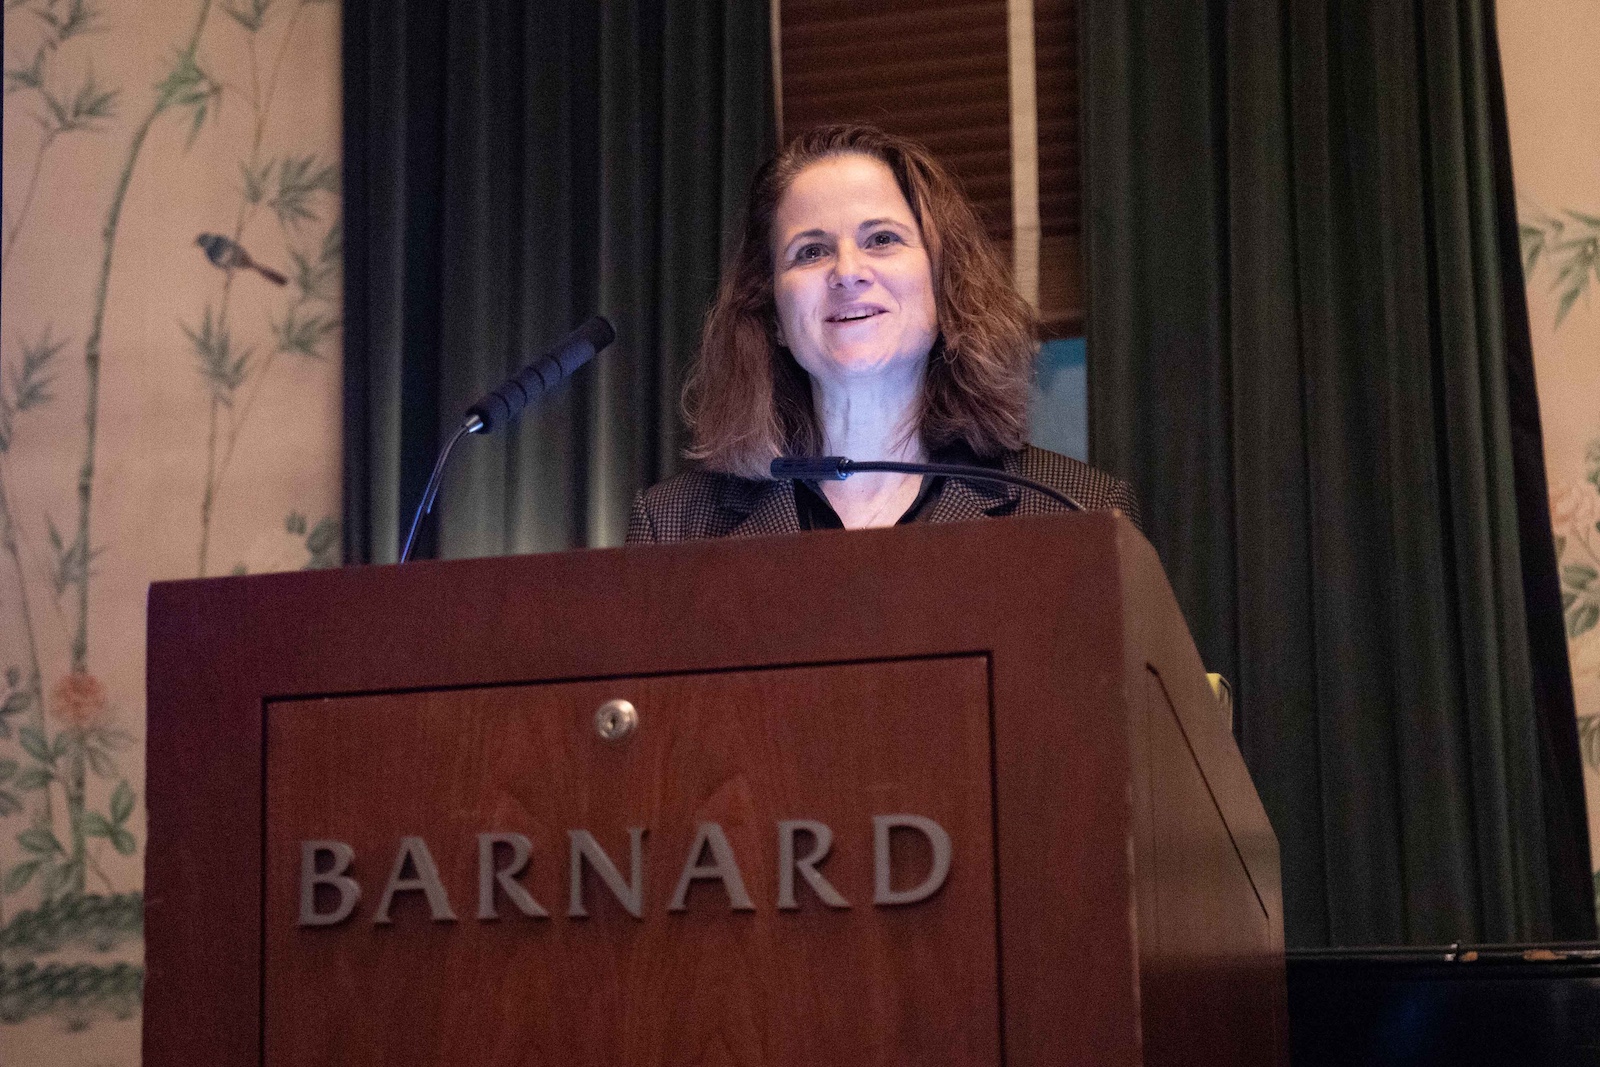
[929, 794]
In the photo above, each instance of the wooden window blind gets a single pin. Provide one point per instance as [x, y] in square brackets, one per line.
[1055, 26]
[938, 71]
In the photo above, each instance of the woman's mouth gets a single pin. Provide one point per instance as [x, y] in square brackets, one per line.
[855, 314]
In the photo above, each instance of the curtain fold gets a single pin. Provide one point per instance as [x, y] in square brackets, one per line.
[1306, 347]
[511, 169]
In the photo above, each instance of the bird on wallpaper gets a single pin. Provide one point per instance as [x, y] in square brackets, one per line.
[230, 255]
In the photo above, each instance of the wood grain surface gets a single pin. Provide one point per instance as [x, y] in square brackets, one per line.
[1071, 615]
[868, 985]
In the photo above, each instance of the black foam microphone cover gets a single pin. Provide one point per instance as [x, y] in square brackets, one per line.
[810, 468]
[502, 406]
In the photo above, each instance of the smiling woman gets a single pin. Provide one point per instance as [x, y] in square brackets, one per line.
[851, 278]
[865, 314]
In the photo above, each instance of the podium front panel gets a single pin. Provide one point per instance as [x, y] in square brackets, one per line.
[1112, 897]
[731, 977]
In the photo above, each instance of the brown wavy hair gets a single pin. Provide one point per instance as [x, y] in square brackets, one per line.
[747, 401]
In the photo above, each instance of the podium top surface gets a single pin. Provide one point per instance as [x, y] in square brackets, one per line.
[912, 590]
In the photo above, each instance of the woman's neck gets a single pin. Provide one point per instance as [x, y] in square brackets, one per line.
[871, 418]
[866, 419]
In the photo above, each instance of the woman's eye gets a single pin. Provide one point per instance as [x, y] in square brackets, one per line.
[883, 238]
[807, 253]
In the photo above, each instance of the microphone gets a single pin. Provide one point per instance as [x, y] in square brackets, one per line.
[838, 468]
[501, 406]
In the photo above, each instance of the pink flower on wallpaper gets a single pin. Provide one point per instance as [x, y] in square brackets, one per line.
[1574, 508]
[79, 701]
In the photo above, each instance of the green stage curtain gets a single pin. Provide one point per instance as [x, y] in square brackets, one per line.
[1308, 347]
[510, 169]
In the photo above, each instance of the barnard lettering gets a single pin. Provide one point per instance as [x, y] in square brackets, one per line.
[330, 893]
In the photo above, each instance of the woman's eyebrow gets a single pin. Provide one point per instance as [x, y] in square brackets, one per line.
[803, 234]
[870, 223]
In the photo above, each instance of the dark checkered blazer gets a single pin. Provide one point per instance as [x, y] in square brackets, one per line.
[700, 504]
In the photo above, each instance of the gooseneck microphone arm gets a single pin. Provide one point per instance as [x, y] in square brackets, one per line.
[468, 425]
[501, 406]
[838, 468]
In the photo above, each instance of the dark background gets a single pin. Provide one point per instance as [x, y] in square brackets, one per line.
[1308, 349]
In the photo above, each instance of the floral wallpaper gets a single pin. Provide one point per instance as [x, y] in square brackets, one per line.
[169, 407]
[1551, 55]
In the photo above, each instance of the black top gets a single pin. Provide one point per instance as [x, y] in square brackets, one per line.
[815, 513]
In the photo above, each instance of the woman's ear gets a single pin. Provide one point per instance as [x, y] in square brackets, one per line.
[777, 333]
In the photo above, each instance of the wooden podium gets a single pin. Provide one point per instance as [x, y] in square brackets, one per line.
[930, 795]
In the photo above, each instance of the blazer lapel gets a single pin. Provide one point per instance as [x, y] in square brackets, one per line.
[960, 500]
[770, 510]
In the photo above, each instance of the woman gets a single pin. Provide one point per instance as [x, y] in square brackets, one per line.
[866, 315]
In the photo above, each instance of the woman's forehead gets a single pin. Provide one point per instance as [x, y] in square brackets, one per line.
[841, 191]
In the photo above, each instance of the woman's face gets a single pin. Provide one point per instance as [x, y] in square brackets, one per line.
[852, 281]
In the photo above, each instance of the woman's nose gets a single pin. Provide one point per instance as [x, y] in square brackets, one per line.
[850, 268]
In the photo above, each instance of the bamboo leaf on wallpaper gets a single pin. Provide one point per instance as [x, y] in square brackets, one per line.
[112, 740]
[69, 562]
[29, 77]
[77, 110]
[1532, 245]
[58, 571]
[300, 178]
[333, 243]
[57, 120]
[250, 15]
[91, 103]
[221, 367]
[316, 279]
[1589, 741]
[121, 803]
[34, 744]
[1568, 247]
[93, 824]
[20, 875]
[188, 86]
[101, 764]
[30, 383]
[15, 703]
[1568, 298]
[58, 878]
[323, 543]
[1582, 619]
[256, 180]
[77, 18]
[1577, 263]
[303, 336]
[40, 841]
[1578, 575]
[34, 778]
